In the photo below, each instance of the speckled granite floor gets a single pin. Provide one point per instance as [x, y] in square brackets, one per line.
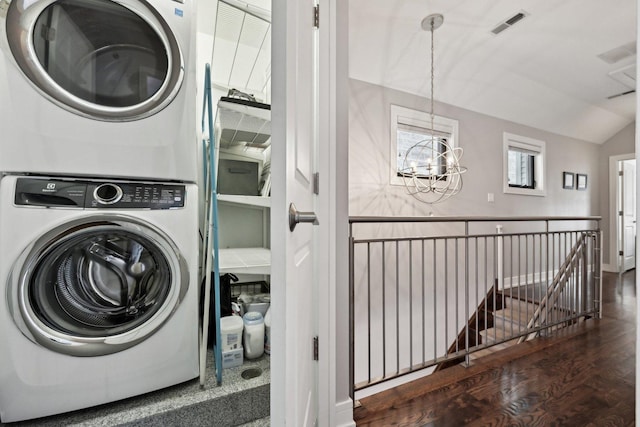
[237, 401]
[262, 422]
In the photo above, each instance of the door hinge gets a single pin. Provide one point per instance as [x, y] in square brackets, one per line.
[315, 348]
[620, 173]
[621, 253]
[316, 16]
[621, 213]
[316, 183]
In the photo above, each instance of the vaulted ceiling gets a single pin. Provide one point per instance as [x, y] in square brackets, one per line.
[562, 68]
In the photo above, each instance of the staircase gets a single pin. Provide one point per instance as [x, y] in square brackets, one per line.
[509, 314]
[512, 318]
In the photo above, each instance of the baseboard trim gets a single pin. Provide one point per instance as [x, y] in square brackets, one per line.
[344, 414]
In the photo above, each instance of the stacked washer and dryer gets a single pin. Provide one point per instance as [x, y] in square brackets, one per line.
[98, 202]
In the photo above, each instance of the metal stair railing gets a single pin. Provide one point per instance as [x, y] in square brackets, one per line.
[557, 286]
[416, 281]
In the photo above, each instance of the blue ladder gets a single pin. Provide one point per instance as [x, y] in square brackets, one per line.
[210, 243]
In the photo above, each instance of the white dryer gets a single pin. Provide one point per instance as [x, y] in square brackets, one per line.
[97, 300]
[98, 88]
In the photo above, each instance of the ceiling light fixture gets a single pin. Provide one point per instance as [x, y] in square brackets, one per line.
[431, 169]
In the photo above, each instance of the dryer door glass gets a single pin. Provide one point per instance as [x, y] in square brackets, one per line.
[98, 57]
[97, 282]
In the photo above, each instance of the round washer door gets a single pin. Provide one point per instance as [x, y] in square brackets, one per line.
[97, 286]
[103, 59]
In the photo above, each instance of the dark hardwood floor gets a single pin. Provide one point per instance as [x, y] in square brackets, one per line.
[583, 375]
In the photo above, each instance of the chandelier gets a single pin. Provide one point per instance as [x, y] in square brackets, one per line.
[431, 168]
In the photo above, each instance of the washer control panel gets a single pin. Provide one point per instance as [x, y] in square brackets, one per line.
[58, 192]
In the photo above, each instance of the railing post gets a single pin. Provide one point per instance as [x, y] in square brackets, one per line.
[500, 258]
[351, 315]
[585, 272]
[598, 274]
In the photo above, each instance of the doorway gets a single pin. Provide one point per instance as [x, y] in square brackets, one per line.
[626, 214]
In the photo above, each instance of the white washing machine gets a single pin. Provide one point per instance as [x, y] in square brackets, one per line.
[97, 298]
[98, 88]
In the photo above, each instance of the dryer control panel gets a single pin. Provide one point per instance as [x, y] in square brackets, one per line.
[58, 192]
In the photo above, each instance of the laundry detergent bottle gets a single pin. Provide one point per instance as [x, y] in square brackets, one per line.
[253, 335]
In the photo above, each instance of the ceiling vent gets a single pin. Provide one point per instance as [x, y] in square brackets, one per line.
[619, 53]
[510, 22]
[625, 75]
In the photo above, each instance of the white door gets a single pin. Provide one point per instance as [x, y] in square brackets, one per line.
[294, 254]
[628, 216]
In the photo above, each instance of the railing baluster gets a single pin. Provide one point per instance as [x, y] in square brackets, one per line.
[466, 292]
[384, 312]
[369, 309]
[351, 314]
[397, 310]
[511, 271]
[410, 305]
[435, 304]
[486, 273]
[457, 300]
[498, 271]
[446, 296]
[526, 281]
[477, 278]
[422, 302]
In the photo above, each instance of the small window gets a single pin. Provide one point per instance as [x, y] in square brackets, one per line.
[523, 165]
[414, 145]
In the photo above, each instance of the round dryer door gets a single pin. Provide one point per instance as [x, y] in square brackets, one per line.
[95, 287]
[103, 59]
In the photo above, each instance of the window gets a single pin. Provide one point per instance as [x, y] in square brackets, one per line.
[523, 165]
[410, 127]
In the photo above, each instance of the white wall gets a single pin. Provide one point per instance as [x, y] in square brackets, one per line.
[481, 137]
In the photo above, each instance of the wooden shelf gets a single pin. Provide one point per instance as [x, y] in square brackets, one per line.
[245, 261]
[258, 201]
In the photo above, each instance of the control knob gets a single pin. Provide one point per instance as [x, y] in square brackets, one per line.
[107, 194]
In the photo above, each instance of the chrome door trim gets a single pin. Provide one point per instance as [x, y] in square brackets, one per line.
[37, 331]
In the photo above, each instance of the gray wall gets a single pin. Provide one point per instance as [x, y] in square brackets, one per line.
[481, 137]
[621, 143]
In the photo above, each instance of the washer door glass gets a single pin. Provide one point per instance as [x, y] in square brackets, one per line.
[97, 284]
[97, 58]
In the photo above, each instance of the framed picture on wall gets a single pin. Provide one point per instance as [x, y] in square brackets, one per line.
[581, 183]
[567, 180]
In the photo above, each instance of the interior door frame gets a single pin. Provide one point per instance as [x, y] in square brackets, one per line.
[622, 202]
[614, 203]
[335, 407]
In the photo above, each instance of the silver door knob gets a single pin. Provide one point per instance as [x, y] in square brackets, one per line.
[296, 217]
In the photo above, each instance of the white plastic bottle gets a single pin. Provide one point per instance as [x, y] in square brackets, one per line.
[253, 334]
[267, 331]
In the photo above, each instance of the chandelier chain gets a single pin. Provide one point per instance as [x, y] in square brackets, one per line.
[432, 76]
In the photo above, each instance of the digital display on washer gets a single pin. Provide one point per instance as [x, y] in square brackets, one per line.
[93, 194]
